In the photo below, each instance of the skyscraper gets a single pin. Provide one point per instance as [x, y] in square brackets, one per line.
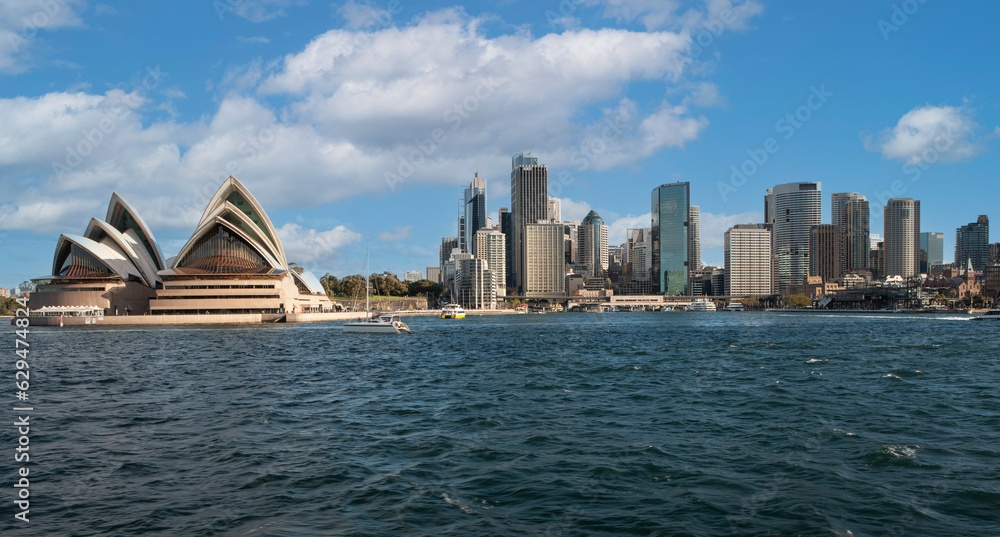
[931, 250]
[824, 252]
[694, 229]
[474, 284]
[748, 260]
[995, 253]
[793, 208]
[529, 203]
[491, 247]
[474, 211]
[671, 209]
[639, 252]
[544, 264]
[507, 228]
[902, 237]
[555, 209]
[972, 243]
[850, 213]
[593, 244]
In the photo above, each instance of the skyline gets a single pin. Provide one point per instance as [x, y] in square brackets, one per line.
[614, 115]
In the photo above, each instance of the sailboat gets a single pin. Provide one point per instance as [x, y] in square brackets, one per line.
[381, 324]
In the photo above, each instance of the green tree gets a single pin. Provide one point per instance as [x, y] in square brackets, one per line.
[798, 301]
[423, 288]
[353, 285]
[751, 302]
[296, 268]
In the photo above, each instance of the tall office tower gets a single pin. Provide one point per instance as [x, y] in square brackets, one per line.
[769, 206]
[434, 274]
[544, 267]
[507, 227]
[995, 253]
[571, 245]
[748, 260]
[593, 243]
[931, 250]
[671, 208]
[824, 252]
[447, 245]
[902, 237]
[694, 229]
[474, 211]
[796, 207]
[639, 253]
[474, 284]
[529, 204]
[850, 213]
[491, 247]
[554, 210]
[972, 243]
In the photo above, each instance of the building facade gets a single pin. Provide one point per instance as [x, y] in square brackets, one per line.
[593, 242]
[850, 212]
[824, 252]
[671, 209]
[529, 204]
[544, 266]
[474, 284]
[748, 261]
[931, 250]
[793, 208]
[694, 243]
[491, 246]
[972, 244]
[474, 212]
[901, 218]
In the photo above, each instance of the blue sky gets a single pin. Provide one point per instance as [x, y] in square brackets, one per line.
[356, 122]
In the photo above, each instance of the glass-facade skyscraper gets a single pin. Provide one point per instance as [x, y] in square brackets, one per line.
[474, 211]
[931, 250]
[972, 244]
[671, 210]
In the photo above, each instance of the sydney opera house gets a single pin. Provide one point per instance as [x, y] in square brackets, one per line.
[233, 264]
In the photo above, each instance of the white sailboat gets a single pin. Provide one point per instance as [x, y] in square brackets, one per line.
[381, 324]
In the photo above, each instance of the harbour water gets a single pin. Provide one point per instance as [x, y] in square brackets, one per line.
[556, 425]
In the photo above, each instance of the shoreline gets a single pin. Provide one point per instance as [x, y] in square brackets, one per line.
[257, 318]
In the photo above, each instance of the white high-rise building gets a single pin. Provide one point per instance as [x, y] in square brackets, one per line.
[793, 208]
[694, 233]
[413, 276]
[902, 237]
[748, 260]
[491, 247]
[555, 209]
[475, 286]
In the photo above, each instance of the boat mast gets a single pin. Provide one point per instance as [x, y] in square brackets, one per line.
[368, 283]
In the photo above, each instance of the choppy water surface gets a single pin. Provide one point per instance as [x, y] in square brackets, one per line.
[533, 425]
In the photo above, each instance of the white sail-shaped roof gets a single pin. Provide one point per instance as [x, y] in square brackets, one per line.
[210, 228]
[122, 217]
[127, 244]
[235, 193]
[108, 258]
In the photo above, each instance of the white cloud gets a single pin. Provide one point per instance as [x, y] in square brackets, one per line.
[717, 15]
[21, 25]
[47, 215]
[713, 227]
[358, 106]
[364, 16]
[618, 229]
[573, 210]
[312, 248]
[398, 234]
[928, 134]
[253, 40]
[255, 10]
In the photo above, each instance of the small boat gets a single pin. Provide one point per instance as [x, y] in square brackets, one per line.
[452, 311]
[735, 305]
[382, 324]
[992, 315]
[379, 324]
[702, 305]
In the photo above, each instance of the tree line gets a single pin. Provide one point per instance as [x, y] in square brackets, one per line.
[381, 285]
